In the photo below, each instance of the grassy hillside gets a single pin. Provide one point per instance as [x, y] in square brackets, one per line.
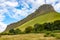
[44, 13]
[48, 17]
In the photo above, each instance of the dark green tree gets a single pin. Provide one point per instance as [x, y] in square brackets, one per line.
[11, 31]
[17, 31]
[48, 26]
[28, 29]
[56, 25]
[38, 27]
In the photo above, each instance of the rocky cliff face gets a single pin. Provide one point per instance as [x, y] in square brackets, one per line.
[40, 11]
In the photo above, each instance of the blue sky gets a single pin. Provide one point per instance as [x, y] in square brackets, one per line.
[15, 10]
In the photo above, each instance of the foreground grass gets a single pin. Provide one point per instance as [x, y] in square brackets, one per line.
[26, 37]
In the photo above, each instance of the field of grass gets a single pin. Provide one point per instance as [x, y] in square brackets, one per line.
[48, 17]
[26, 37]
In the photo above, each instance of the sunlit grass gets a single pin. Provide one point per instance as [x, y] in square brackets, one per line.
[26, 37]
[49, 17]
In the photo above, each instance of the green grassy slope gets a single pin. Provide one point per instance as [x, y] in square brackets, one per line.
[48, 17]
[45, 13]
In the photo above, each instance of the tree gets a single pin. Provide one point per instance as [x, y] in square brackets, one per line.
[28, 29]
[17, 31]
[11, 31]
[38, 27]
[48, 26]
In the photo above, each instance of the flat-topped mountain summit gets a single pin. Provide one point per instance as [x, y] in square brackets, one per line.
[45, 11]
[45, 8]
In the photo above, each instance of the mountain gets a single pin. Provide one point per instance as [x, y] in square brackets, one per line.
[44, 13]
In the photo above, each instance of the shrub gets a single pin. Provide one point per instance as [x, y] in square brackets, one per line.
[47, 34]
[52, 34]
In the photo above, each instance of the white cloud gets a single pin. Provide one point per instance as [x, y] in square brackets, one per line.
[1, 17]
[51, 1]
[57, 7]
[37, 3]
[12, 4]
[2, 27]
